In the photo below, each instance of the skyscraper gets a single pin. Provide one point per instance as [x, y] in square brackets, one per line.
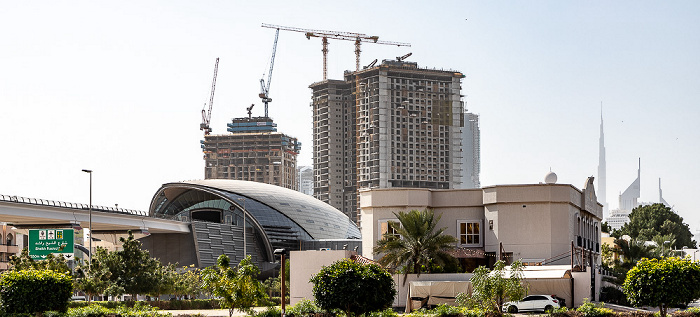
[602, 186]
[471, 151]
[391, 125]
[628, 198]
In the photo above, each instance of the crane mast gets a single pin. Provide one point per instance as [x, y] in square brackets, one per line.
[358, 38]
[265, 87]
[206, 114]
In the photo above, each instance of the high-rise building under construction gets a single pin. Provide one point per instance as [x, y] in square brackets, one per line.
[390, 125]
[252, 151]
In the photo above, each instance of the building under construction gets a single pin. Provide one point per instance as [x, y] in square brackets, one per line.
[391, 125]
[252, 151]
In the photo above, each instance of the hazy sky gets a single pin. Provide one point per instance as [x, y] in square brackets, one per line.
[118, 86]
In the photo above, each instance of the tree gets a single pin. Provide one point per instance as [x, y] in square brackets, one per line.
[492, 288]
[236, 288]
[52, 262]
[420, 243]
[131, 270]
[646, 222]
[93, 279]
[663, 283]
[188, 282]
[354, 288]
[35, 291]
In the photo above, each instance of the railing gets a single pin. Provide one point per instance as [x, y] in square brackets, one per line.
[63, 204]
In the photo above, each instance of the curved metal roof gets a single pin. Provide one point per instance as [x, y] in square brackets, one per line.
[319, 219]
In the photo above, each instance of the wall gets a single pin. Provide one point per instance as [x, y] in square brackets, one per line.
[305, 264]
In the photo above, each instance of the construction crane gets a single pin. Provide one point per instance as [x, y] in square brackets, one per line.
[206, 114]
[358, 38]
[265, 87]
[401, 58]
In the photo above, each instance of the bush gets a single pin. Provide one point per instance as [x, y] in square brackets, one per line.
[19, 291]
[384, 313]
[304, 307]
[269, 312]
[353, 287]
[589, 309]
[690, 312]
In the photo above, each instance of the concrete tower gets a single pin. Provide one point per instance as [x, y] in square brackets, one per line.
[602, 187]
[385, 126]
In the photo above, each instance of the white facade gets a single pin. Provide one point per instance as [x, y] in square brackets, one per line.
[471, 152]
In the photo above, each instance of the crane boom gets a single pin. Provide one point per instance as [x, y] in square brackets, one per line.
[206, 114]
[358, 38]
[265, 88]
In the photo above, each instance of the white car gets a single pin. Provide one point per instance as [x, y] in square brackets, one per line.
[546, 303]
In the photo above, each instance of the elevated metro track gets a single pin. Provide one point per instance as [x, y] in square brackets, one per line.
[32, 213]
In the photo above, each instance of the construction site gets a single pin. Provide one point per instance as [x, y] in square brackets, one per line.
[253, 150]
[385, 125]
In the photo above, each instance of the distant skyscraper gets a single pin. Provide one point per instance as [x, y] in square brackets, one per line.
[602, 187]
[661, 196]
[471, 151]
[628, 199]
[306, 180]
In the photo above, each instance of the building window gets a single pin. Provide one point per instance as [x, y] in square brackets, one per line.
[387, 228]
[469, 233]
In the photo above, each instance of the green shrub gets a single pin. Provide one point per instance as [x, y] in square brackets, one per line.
[304, 307]
[353, 287]
[384, 313]
[589, 309]
[19, 291]
[690, 312]
[269, 312]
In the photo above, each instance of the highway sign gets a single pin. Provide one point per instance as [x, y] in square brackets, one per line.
[43, 242]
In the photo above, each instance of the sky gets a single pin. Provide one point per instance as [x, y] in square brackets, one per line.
[118, 87]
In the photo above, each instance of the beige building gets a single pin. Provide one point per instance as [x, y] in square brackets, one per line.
[539, 223]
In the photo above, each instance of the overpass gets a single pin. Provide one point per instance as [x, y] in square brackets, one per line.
[107, 222]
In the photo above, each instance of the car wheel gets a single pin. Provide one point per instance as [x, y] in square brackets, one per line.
[548, 309]
[512, 309]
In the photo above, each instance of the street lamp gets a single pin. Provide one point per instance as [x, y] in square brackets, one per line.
[90, 220]
[662, 247]
[244, 239]
[696, 251]
[283, 299]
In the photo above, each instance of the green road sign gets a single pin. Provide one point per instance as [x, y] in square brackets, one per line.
[46, 241]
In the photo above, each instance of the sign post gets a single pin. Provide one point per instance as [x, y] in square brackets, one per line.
[43, 242]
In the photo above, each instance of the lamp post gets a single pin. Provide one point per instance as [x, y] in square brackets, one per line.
[90, 221]
[662, 247]
[244, 239]
[696, 251]
[283, 296]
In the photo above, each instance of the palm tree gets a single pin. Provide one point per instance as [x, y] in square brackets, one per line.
[419, 244]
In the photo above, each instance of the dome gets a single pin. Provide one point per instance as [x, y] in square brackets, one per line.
[550, 178]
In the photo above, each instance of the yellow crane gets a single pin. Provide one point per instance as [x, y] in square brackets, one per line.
[358, 38]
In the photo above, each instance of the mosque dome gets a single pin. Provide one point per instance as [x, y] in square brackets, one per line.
[550, 178]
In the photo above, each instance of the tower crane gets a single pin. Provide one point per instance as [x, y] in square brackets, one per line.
[358, 38]
[206, 114]
[265, 87]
